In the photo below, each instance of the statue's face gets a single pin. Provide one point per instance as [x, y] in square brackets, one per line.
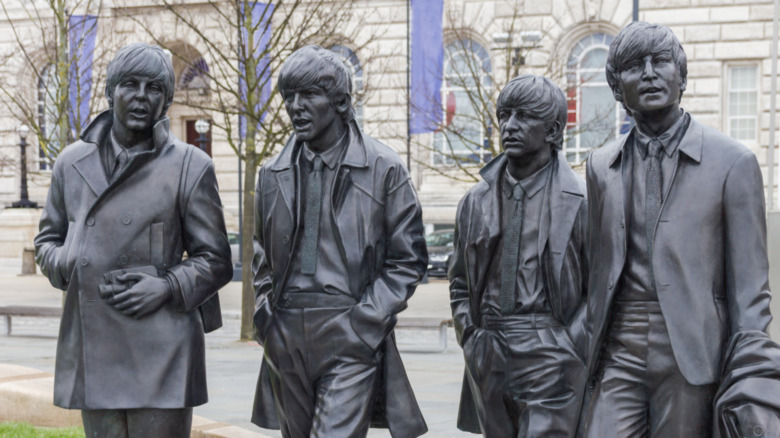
[311, 112]
[138, 102]
[651, 83]
[522, 136]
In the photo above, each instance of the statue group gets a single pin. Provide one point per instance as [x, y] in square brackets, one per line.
[635, 304]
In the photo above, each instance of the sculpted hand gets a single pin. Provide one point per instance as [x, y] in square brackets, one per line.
[148, 294]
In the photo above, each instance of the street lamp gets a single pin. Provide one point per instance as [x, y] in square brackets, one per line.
[24, 201]
[202, 127]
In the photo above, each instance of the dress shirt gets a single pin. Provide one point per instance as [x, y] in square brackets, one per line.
[636, 282]
[530, 293]
[331, 275]
[112, 148]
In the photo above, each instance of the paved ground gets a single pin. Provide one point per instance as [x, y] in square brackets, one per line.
[233, 366]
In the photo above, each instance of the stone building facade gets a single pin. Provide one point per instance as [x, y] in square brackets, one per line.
[728, 44]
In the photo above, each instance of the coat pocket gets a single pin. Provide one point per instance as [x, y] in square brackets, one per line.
[156, 245]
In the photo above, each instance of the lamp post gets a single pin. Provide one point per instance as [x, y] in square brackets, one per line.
[24, 201]
[202, 127]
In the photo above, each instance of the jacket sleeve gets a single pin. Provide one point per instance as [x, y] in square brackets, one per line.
[262, 271]
[405, 261]
[577, 327]
[459, 294]
[208, 266]
[746, 262]
[54, 237]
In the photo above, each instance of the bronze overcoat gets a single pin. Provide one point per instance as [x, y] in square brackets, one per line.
[163, 203]
[562, 244]
[378, 223]
[709, 250]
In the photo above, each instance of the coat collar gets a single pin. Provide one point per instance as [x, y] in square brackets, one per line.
[100, 126]
[354, 156]
[90, 166]
[690, 144]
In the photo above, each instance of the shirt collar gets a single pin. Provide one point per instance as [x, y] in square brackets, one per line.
[531, 184]
[670, 139]
[330, 157]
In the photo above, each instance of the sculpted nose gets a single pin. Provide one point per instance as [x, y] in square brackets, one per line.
[649, 70]
[296, 102]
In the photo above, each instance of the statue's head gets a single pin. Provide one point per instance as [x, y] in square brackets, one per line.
[646, 67]
[531, 113]
[314, 73]
[148, 64]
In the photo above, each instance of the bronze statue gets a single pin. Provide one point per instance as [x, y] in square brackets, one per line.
[125, 202]
[339, 249]
[679, 252]
[518, 275]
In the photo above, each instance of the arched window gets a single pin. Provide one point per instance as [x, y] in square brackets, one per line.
[194, 76]
[594, 115]
[353, 63]
[48, 83]
[466, 125]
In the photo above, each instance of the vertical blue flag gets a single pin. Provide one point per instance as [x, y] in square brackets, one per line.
[261, 36]
[427, 66]
[82, 30]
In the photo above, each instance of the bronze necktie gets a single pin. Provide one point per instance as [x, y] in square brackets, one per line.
[311, 219]
[510, 251]
[653, 193]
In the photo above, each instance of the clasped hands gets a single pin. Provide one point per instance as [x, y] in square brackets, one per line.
[136, 294]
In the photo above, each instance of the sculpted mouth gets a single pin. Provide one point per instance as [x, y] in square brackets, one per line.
[139, 112]
[301, 123]
[651, 90]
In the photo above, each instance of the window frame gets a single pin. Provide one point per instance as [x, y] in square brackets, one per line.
[727, 117]
[480, 56]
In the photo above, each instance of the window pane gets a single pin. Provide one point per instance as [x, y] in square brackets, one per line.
[743, 102]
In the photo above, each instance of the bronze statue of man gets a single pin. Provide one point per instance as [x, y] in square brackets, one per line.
[678, 249]
[518, 275]
[339, 249]
[125, 202]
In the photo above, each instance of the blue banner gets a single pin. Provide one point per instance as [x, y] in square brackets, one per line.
[427, 59]
[82, 30]
[261, 37]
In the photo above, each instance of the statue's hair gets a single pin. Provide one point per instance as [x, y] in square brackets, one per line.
[143, 60]
[639, 39]
[538, 97]
[313, 66]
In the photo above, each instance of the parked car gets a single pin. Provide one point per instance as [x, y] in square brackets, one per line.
[440, 249]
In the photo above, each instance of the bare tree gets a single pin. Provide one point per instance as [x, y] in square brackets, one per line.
[43, 51]
[467, 137]
[243, 50]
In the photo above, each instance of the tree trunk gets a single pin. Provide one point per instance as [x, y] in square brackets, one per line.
[247, 253]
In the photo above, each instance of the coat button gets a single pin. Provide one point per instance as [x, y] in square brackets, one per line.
[90, 221]
[122, 260]
[286, 239]
[611, 284]
[84, 261]
[758, 431]
[126, 219]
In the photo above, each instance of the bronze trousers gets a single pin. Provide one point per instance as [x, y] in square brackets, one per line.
[525, 376]
[640, 392]
[137, 423]
[322, 373]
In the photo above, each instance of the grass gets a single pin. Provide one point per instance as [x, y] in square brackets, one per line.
[24, 430]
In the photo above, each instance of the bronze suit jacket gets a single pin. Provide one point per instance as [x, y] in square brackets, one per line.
[164, 202]
[709, 252]
[562, 244]
[378, 223]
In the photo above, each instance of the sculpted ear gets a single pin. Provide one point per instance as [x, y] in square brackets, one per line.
[342, 103]
[553, 132]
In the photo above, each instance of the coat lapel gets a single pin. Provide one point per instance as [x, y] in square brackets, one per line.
[565, 197]
[91, 169]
